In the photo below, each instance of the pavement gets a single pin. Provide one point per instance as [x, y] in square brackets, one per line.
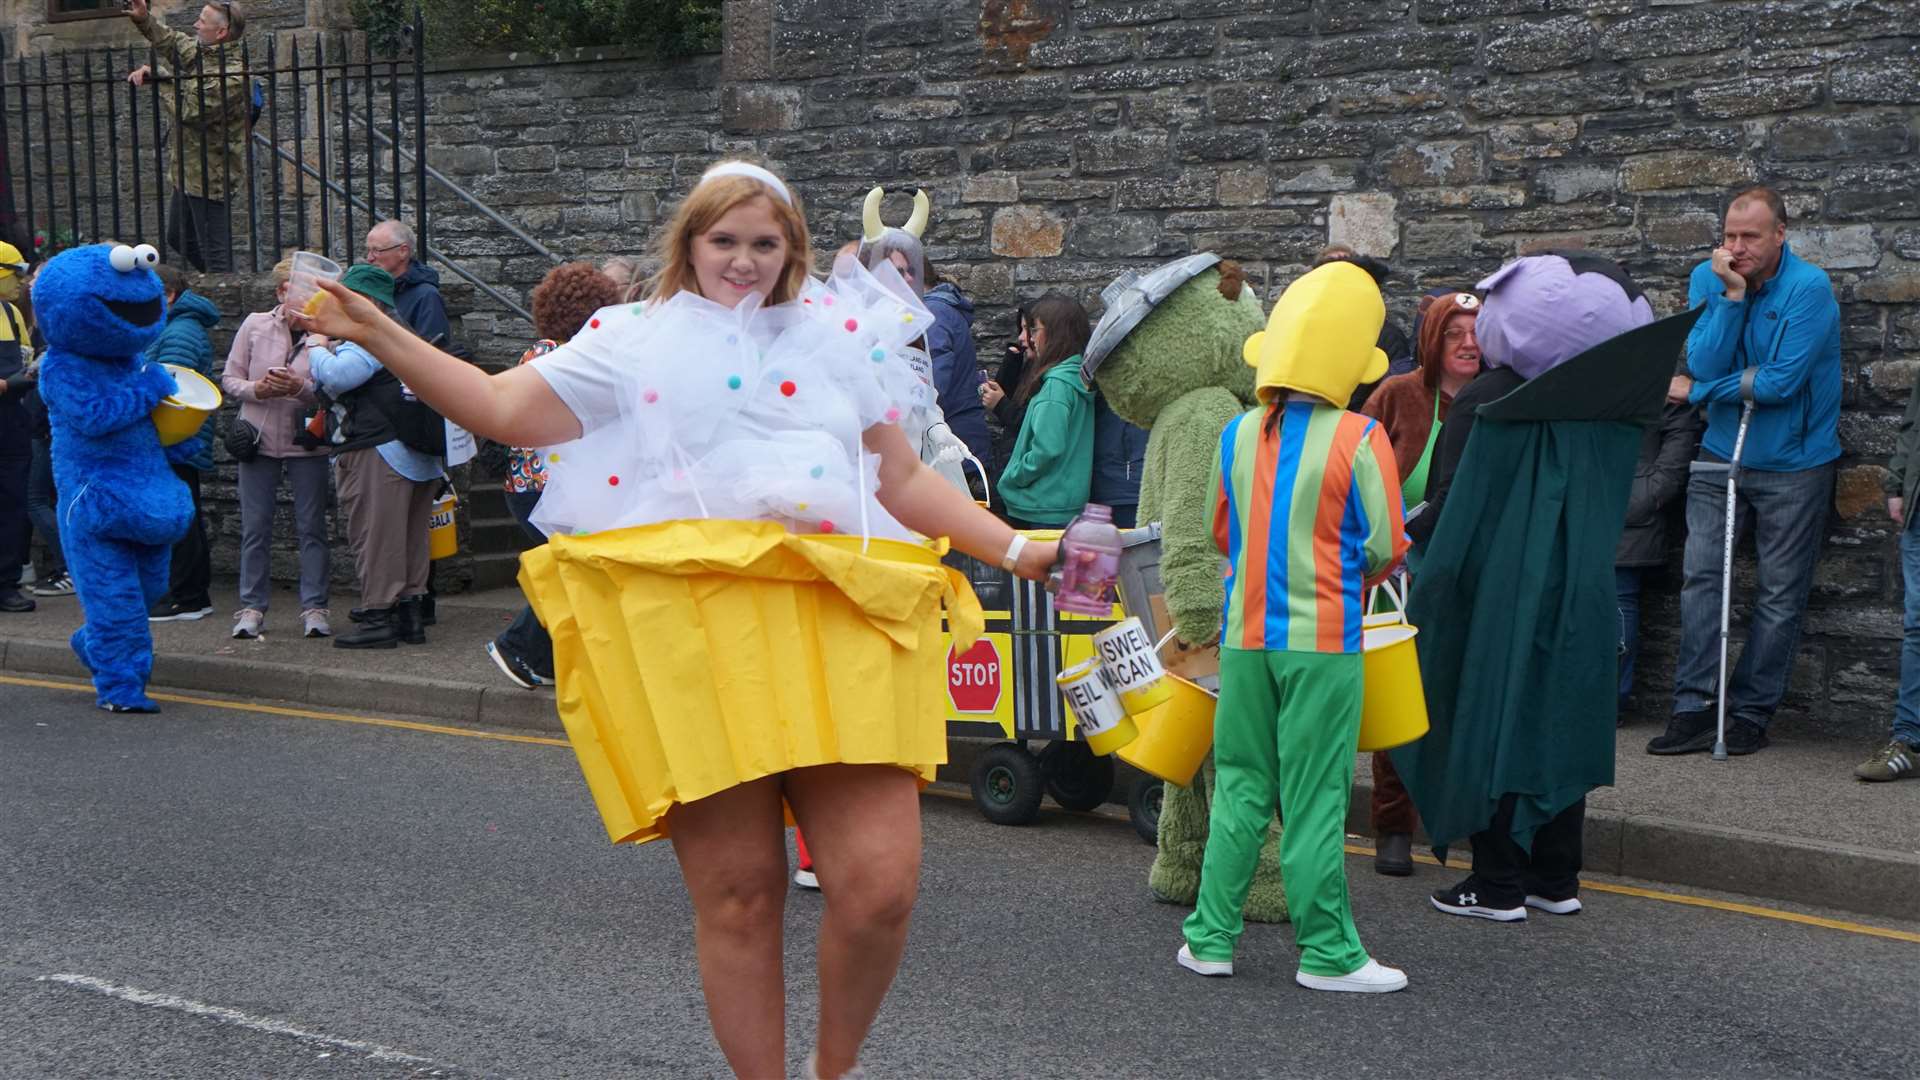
[1789, 823]
[224, 891]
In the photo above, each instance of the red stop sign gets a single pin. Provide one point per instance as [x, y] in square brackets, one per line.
[973, 678]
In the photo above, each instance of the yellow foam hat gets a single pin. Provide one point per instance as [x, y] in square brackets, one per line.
[11, 261]
[1321, 336]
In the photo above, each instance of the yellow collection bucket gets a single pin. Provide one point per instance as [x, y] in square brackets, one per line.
[1098, 715]
[179, 416]
[1176, 736]
[1394, 710]
[442, 535]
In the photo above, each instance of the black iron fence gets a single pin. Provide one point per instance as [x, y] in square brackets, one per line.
[332, 143]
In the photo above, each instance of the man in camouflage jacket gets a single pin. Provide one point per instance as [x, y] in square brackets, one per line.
[209, 104]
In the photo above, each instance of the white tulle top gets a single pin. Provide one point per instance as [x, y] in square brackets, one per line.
[694, 410]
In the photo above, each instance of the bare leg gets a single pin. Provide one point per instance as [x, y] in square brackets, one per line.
[863, 826]
[733, 855]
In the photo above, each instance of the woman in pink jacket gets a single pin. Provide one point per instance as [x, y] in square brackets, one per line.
[270, 379]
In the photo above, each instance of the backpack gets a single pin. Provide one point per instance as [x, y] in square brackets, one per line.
[412, 421]
[415, 422]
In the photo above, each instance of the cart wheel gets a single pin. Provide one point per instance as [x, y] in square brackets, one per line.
[1077, 778]
[1143, 807]
[1007, 785]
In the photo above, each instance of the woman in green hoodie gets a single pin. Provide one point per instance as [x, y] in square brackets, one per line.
[1050, 469]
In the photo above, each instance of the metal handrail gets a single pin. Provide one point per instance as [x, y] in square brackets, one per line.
[428, 250]
[464, 194]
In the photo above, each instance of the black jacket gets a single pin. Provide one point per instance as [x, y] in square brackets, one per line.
[1490, 385]
[1119, 456]
[1399, 349]
[1009, 413]
[1658, 480]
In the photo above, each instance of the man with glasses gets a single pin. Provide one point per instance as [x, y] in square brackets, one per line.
[211, 112]
[416, 286]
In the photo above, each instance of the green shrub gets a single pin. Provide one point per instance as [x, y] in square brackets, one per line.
[668, 28]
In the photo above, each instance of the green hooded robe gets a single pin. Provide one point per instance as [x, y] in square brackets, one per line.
[1515, 598]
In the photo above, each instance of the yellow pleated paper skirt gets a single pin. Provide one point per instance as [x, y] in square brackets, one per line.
[692, 656]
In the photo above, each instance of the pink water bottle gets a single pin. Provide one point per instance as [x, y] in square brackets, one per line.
[1090, 562]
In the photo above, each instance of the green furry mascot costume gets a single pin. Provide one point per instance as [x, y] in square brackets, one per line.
[1167, 357]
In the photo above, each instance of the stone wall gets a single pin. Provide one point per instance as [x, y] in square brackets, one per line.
[1066, 141]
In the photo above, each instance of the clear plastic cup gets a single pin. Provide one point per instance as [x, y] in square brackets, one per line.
[302, 292]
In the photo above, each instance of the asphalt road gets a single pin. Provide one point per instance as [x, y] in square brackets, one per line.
[217, 893]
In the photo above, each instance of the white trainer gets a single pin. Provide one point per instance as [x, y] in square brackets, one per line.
[246, 623]
[806, 879]
[1372, 977]
[1187, 960]
[314, 622]
[1570, 906]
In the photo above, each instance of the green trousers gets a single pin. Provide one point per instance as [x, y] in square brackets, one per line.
[1284, 734]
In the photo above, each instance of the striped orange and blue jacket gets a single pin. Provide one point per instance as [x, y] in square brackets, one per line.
[1308, 513]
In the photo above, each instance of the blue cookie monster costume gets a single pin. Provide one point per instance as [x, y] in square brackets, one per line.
[121, 507]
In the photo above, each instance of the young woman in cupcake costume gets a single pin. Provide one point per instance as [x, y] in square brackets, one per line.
[745, 624]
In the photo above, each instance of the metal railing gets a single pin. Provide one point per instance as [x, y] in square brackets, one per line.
[352, 200]
[121, 155]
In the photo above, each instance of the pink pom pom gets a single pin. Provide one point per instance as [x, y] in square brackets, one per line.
[788, 388]
[613, 481]
[893, 416]
[852, 325]
[651, 396]
[826, 526]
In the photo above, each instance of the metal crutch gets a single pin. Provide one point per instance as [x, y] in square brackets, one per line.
[1732, 468]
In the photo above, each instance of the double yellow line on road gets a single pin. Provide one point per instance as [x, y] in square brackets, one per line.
[1352, 849]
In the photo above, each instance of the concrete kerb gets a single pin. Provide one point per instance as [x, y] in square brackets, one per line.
[1850, 878]
[1882, 884]
[444, 700]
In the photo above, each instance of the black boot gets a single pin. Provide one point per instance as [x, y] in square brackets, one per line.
[1393, 854]
[410, 625]
[426, 609]
[380, 630]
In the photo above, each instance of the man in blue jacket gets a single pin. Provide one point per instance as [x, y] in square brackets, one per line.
[416, 286]
[1770, 335]
[184, 342]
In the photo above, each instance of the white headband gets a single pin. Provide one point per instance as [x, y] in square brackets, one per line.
[752, 171]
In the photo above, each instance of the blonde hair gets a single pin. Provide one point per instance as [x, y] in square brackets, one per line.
[707, 203]
[283, 271]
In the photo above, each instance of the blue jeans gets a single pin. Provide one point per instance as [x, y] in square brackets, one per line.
[1627, 581]
[1906, 709]
[526, 638]
[40, 509]
[1787, 512]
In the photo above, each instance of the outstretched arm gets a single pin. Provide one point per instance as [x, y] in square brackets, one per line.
[515, 407]
[930, 506]
[173, 45]
[96, 407]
